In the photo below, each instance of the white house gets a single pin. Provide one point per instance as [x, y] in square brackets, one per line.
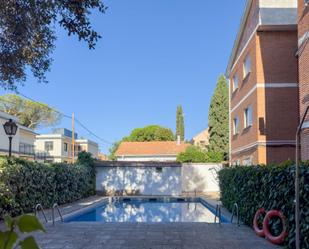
[23, 141]
[58, 146]
[150, 151]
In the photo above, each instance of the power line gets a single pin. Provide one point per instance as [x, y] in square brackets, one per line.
[61, 113]
[64, 115]
[93, 134]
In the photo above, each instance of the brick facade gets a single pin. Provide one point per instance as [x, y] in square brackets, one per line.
[270, 89]
[303, 63]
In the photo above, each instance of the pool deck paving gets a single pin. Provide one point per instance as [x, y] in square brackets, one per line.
[150, 236]
[87, 235]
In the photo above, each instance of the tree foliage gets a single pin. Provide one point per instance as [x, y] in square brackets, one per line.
[214, 156]
[14, 227]
[28, 34]
[193, 154]
[180, 126]
[113, 150]
[150, 133]
[30, 114]
[218, 119]
[146, 134]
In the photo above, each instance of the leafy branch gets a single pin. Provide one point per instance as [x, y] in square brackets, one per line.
[24, 224]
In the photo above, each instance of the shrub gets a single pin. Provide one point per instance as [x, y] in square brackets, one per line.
[215, 157]
[23, 184]
[193, 154]
[271, 187]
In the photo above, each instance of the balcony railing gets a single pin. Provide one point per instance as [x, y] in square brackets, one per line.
[26, 149]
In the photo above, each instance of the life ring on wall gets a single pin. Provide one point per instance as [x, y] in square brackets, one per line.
[281, 237]
[258, 231]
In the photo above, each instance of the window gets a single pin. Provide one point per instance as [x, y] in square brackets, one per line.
[248, 117]
[27, 149]
[65, 147]
[247, 66]
[235, 126]
[49, 146]
[236, 163]
[235, 83]
[247, 161]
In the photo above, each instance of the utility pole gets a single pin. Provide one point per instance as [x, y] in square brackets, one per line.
[73, 139]
[297, 181]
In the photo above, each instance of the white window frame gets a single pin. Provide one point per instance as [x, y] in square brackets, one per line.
[235, 86]
[247, 66]
[235, 125]
[248, 121]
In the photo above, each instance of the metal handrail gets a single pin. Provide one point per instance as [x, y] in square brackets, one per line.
[36, 210]
[55, 206]
[218, 214]
[235, 207]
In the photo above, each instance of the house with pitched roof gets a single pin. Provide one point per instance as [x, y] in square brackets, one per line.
[150, 151]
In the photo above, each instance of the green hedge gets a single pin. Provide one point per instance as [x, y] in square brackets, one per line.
[23, 184]
[271, 187]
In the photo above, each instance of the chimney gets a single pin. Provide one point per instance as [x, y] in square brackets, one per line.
[178, 140]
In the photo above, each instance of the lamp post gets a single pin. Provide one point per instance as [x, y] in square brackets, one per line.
[10, 129]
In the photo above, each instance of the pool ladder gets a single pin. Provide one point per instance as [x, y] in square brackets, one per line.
[218, 214]
[39, 207]
[55, 206]
[235, 209]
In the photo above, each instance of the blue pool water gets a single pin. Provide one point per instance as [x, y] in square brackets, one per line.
[148, 211]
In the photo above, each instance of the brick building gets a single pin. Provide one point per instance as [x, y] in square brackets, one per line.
[263, 77]
[303, 60]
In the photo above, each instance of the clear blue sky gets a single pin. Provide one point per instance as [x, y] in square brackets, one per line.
[153, 56]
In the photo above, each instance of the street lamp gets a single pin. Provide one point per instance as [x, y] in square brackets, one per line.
[10, 128]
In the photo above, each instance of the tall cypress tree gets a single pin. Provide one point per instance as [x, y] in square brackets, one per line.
[218, 119]
[180, 126]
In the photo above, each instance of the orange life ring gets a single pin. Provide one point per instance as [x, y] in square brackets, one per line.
[258, 231]
[274, 239]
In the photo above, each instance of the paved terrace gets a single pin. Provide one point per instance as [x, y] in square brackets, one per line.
[146, 236]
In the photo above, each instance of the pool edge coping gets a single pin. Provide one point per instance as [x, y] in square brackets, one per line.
[211, 202]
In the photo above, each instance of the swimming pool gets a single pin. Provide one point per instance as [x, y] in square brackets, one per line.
[149, 210]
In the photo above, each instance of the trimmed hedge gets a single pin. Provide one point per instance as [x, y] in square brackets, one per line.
[23, 184]
[271, 187]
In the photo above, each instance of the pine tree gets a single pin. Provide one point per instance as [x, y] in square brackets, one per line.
[180, 126]
[218, 119]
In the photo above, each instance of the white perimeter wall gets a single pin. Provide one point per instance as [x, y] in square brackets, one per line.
[200, 177]
[148, 181]
[162, 158]
[139, 180]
